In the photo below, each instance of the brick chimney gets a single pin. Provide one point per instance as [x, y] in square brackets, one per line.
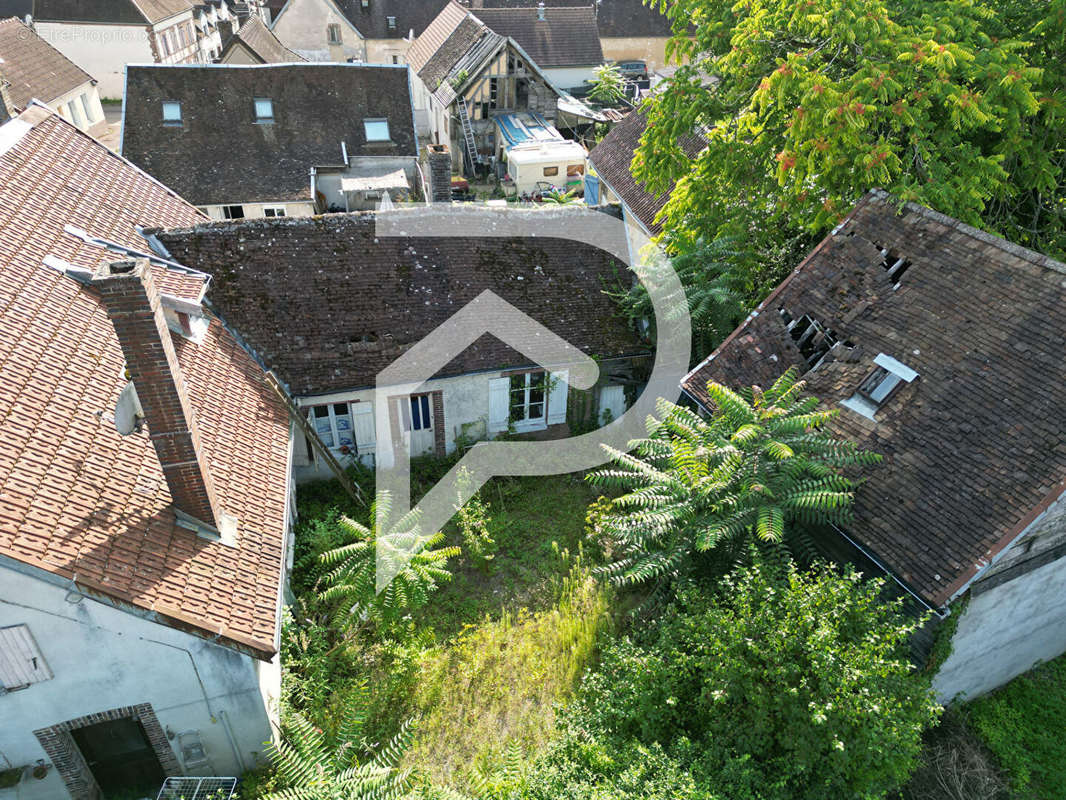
[129, 294]
[439, 159]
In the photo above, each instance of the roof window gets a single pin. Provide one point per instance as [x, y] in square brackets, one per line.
[264, 110]
[391, 22]
[171, 112]
[876, 388]
[377, 130]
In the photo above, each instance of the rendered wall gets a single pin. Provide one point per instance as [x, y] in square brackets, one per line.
[381, 51]
[96, 110]
[101, 50]
[103, 658]
[302, 27]
[651, 49]
[570, 77]
[1016, 615]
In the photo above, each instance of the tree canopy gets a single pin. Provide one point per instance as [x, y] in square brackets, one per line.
[955, 104]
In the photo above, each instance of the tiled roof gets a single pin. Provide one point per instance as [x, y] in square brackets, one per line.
[328, 304]
[972, 447]
[372, 21]
[316, 107]
[33, 68]
[614, 18]
[77, 499]
[451, 51]
[613, 158]
[261, 42]
[565, 37]
[119, 12]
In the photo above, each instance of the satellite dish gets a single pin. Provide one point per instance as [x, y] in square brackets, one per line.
[129, 416]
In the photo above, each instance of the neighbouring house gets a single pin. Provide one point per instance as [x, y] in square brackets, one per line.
[30, 69]
[537, 156]
[610, 177]
[254, 43]
[630, 30]
[942, 347]
[144, 489]
[102, 38]
[313, 137]
[327, 304]
[563, 41]
[466, 75]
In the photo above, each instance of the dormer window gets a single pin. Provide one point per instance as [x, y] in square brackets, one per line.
[264, 110]
[171, 112]
[377, 130]
[877, 387]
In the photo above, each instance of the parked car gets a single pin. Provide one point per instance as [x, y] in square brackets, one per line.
[633, 70]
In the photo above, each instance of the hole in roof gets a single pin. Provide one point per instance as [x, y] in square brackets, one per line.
[812, 338]
[893, 263]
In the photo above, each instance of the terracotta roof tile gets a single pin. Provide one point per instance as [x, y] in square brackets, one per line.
[972, 446]
[76, 498]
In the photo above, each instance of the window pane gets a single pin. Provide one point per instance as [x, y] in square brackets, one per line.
[377, 130]
[416, 416]
[171, 111]
[322, 425]
[343, 420]
[264, 108]
[890, 382]
[549, 171]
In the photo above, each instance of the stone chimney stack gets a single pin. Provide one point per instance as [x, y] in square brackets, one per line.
[439, 159]
[129, 294]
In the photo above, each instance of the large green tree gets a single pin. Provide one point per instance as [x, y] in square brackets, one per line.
[806, 104]
[761, 462]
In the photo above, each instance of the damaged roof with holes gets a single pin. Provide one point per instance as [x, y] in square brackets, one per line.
[973, 445]
[613, 160]
[77, 499]
[316, 108]
[328, 304]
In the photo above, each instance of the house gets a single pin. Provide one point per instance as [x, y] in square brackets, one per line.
[610, 178]
[466, 74]
[254, 43]
[563, 41]
[312, 137]
[144, 488]
[630, 30]
[537, 156]
[328, 304]
[102, 38]
[942, 347]
[374, 31]
[30, 68]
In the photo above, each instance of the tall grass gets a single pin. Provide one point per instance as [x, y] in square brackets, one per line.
[498, 682]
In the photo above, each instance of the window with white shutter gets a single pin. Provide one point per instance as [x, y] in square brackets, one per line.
[21, 662]
[558, 387]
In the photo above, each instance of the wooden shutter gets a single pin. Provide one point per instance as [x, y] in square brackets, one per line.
[363, 424]
[557, 396]
[499, 404]
[21, 662]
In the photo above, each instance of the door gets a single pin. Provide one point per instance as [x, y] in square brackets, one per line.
[120, 758]
[418, 426]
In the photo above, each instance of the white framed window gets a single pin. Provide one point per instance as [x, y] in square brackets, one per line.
[420, 417]
[528, 400]
[171, 112]
[333, 33]
[274, 211]
[21, 662]
[348, 427]
[83, 98]
[528, 396]
[264, 110]
[377, 130]
[75, 114]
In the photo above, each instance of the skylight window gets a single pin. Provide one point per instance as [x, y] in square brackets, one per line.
[377, 130]
[264, 110]
[878, 387]
[171, 112]
[391, 21]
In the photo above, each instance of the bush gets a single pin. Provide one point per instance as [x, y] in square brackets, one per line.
[1022, 725]
[783, 686]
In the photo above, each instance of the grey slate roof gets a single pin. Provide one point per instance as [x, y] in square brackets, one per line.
[973, 446]
[33, 68]
[261, 42]
[373, 21]
[328, 304]
[614, 18]
[613, 158]
[565, 37]
[220, 155]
